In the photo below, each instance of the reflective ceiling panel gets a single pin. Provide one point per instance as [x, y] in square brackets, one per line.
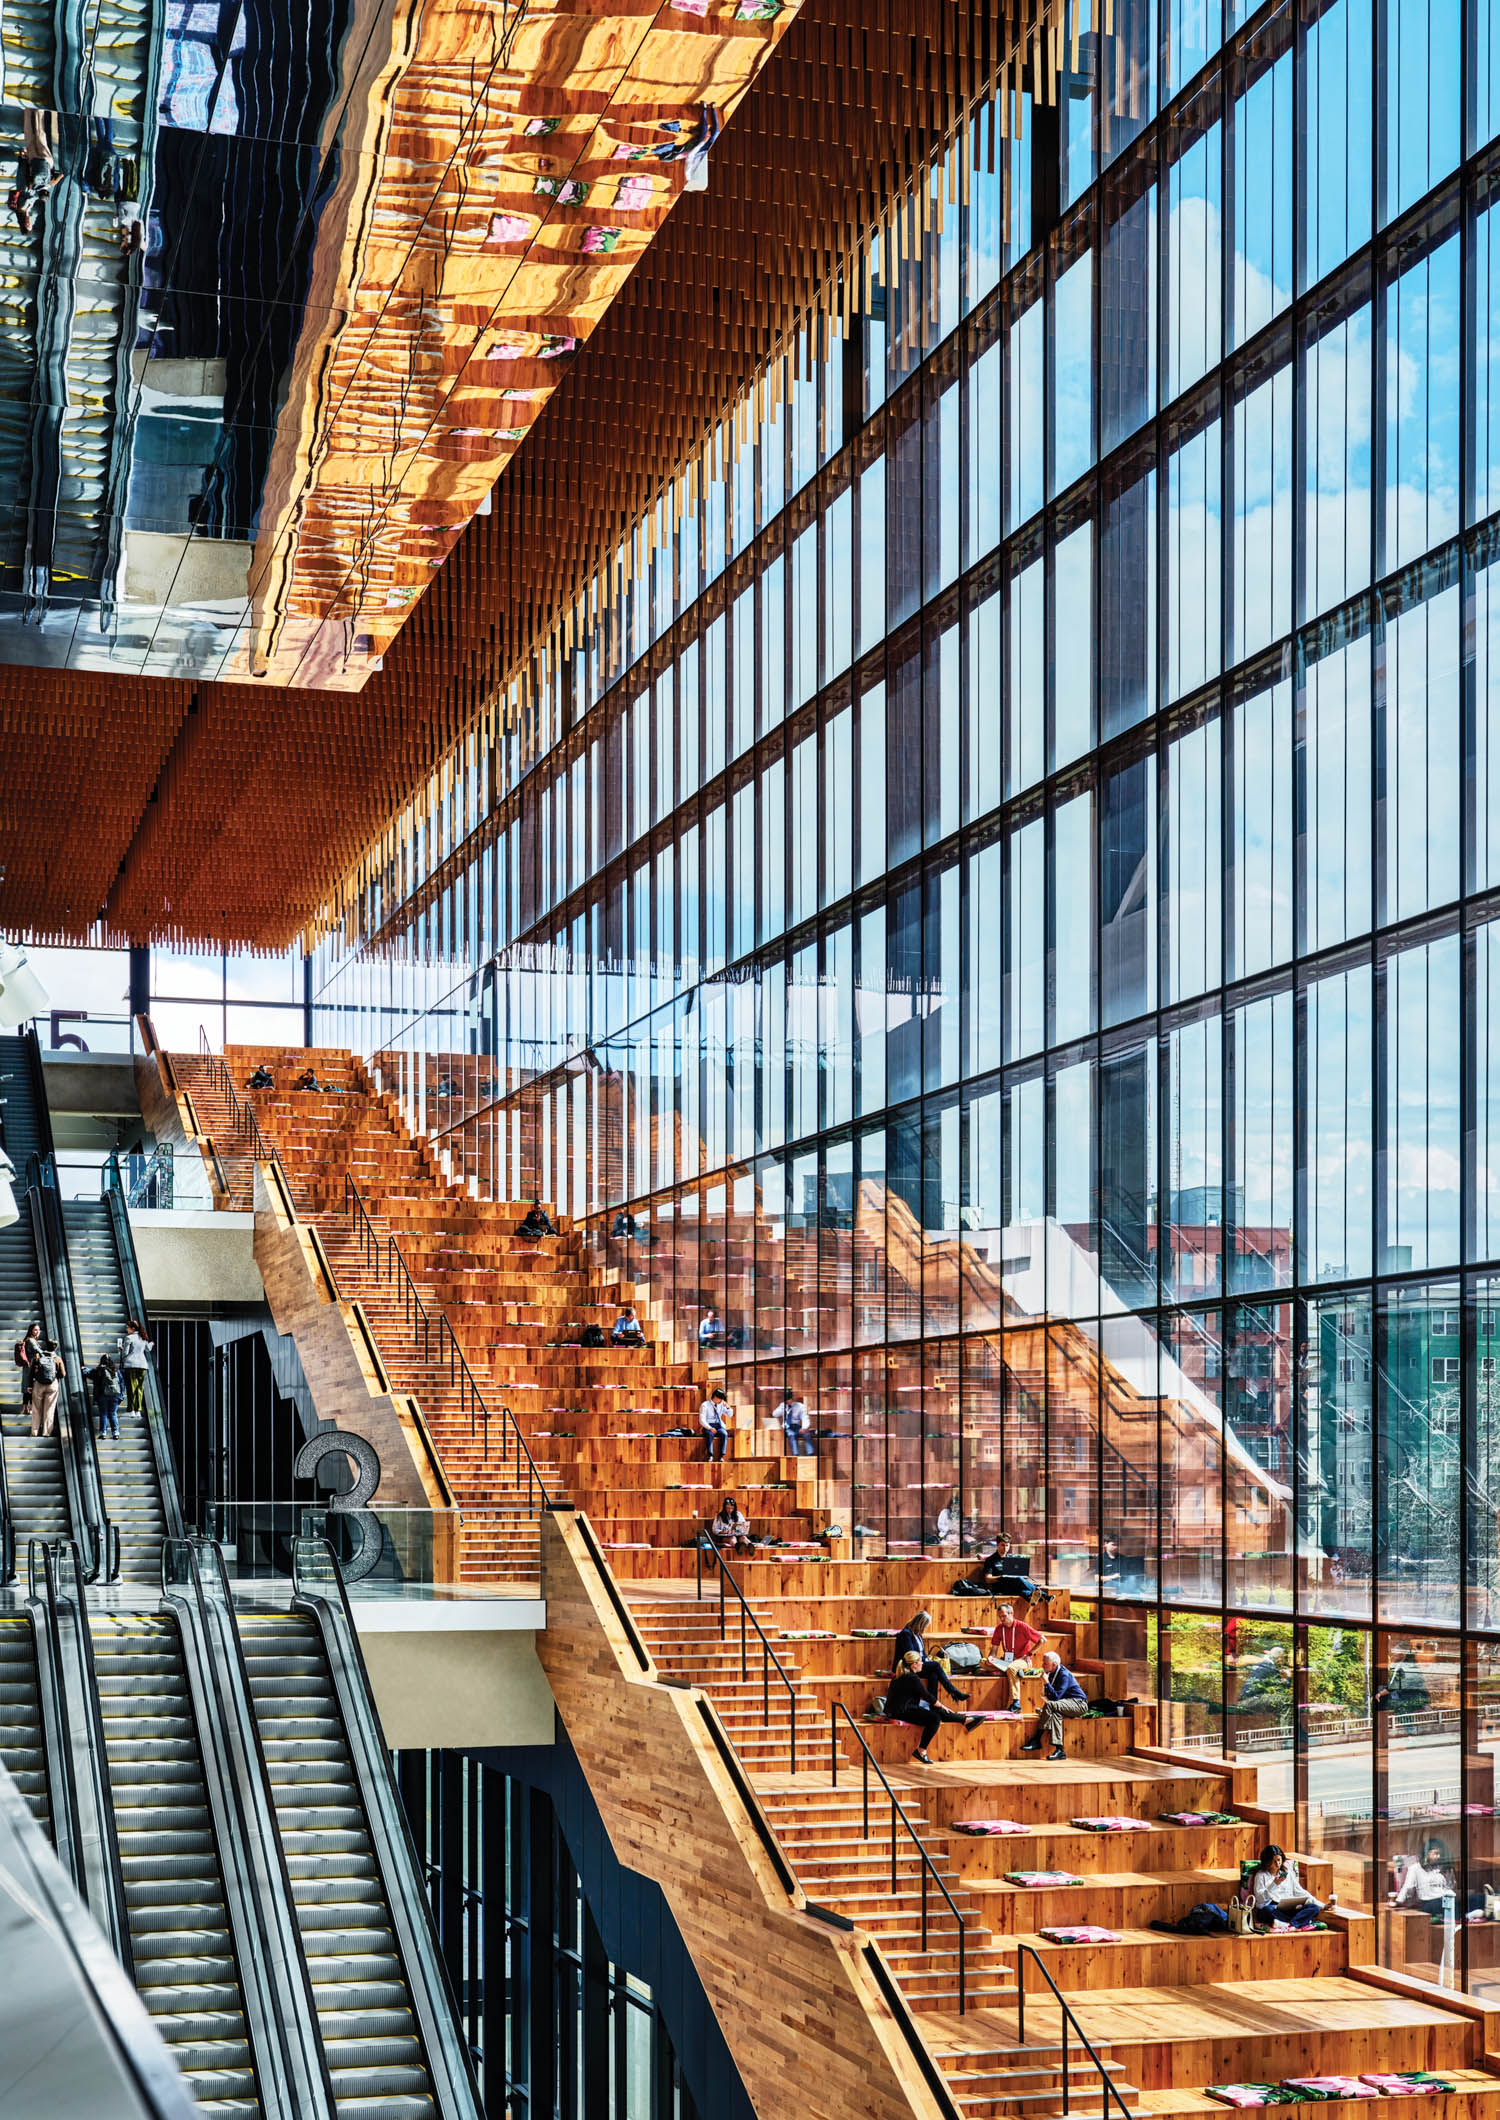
[284, 284]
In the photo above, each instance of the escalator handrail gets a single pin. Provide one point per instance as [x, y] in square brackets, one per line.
[60, 1554]
[7, 1522]
[275, 1982]
[32, 1047]
[57, 1737]
[450, 2064]
[84, 1524]
[81, 1437]
[157, 1433]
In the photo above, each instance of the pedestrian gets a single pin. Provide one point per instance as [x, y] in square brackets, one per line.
[911, 1701]
[25, 1351]
[104, 1384]
[135, 1352]
[713, 1419]
[1063, 1696]
[46, 1381]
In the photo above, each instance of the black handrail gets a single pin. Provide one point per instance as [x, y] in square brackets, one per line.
[383, 1257]
[66, 1551]
[927, 1866]
[7, 1523]
[246, 1125]
[768, 1655]
[318, 1589]
[60, 1307]
[154, 1416]
[1111, 2088]
[65, 1779]
[278, 1988]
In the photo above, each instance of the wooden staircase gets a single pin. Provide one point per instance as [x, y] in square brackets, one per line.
[1166, 2014]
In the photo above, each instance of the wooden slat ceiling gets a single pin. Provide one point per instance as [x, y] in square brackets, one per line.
[227, 813]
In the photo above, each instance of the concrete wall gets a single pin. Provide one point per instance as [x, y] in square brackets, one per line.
[195, 1256]
[450, 1685]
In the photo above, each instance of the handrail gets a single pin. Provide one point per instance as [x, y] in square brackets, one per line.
[7, 1523]
[1111, 2088]
[274, 1976]
[62, 1781]
[135, 1307]
[325, 1600]
[245, 1122]
[383, 1257]
[928, 1866]
[768, 1655]
[112, 1918]
[59, 1307]
[606, 1576]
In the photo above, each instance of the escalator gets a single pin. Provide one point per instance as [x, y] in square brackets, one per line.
[364, 2005]
[23, 1744]
[34, 1482]
[128, 1469]
[185, 1963]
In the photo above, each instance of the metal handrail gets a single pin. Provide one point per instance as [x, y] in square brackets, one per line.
[383, 1257]
[154, 1416]
[55, 1695]
[7, 1523]
[245, 1122]
[768, 1655]
[928, 1866]
[66, 1549]
[60, 1307]
[1111, 2088]
[318, 1589]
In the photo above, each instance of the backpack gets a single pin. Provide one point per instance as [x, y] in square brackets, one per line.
[591, 1336]
[23, 1360]
[962, 1656]
[44, 1369]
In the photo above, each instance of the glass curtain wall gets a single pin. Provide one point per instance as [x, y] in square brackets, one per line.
[995, 893]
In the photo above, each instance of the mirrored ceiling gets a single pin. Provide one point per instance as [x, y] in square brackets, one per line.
[284, 284]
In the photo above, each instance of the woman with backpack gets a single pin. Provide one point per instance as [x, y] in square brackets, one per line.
[135, 1353]
[46, 1382]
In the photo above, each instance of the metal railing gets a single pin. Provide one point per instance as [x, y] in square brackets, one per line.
[703, 1543]
[85, 1485]
[430, 1331]
[59, 1558]
[246, 1125]
[7, 1524]
[1109, 2088]
[153, 1413]
[927, 1867]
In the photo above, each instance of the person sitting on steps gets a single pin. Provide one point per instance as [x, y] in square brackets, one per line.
[1010, 1650]
[911, 1700]
[626, 1330]
[913, 1636]
[713, 1419]
[262, 1078]
[1063, 1697]
[306, 1080]
[731, 1530]
[1277, 1893]
[535, 1223]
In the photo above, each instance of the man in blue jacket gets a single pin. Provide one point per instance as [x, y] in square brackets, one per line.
[1063, 1696]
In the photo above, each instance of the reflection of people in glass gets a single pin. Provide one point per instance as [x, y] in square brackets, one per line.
[1423, 1885]
[1268, 1679]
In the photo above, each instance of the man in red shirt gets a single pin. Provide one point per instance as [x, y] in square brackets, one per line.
[1011, 1645]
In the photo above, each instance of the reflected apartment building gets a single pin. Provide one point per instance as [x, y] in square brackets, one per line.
[986, 910]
